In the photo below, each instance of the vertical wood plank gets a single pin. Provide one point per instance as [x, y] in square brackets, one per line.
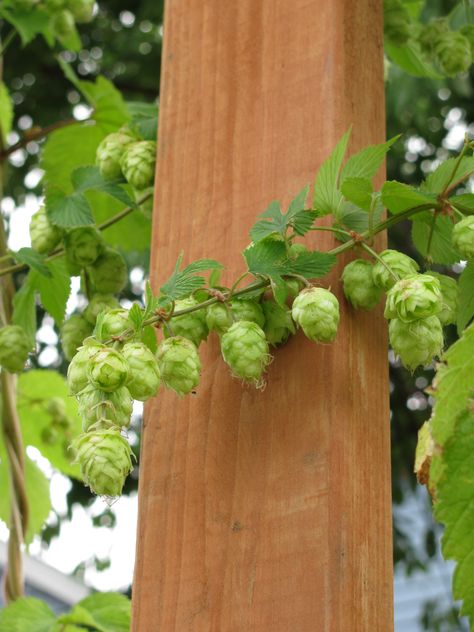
[265, 510]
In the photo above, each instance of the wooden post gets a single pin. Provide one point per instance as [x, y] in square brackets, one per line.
[265, 510]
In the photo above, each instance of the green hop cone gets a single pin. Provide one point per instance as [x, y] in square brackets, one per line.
[401, 265]
[138, 163]
[14, 348]
[416, 342]
[449, 298]
[53, 5]
[44, 235]
[77, 375]
[73, 332]
[248, 309]
[245, 350]
[416, 296]
[359, 287]
[56, 408]
[316, 311]
[430, 34]
[278, 322]
[293, 288]
[105, 460]
[101, 410]
[144, 371]
[463, 237]
[468, 31]
[107, 370]
[218, 317]
[63, 23]
[397, 27]
[453, 52]
[99, 303]
[179, 364]
[83, 246]
[109, 273]
[110, 152]
[192, 326]
[82, 10]
[114, 324]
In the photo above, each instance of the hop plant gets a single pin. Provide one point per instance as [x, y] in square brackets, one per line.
[397, 27]
[430, 34]
[245, 350]
[400, 264]
[74, 330]
[468, 31]
[416, 296]
[62, 23]
[105, 460]
[449, 298]
[316, 311]
[114, 323]
[463, 237]
[144, 371]
[247, 309]
[416, 342]
[192, 326]
[358, 284]
[82, 10]
[107, 370]
[453, 52]
[278, 322]
[218, 317]
[99, 303]
[101, 410]
[77, 375]
[110, 152]
[44, 235]
[179, 364]
[14, 348]
[138, 163]
[83, 246]
[109, 273]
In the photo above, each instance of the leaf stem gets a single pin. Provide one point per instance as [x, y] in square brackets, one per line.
[455, 168]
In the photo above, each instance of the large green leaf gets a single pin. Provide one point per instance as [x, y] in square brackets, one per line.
[35, 389]
[54, 291]
[466, 297]
[32, 259]
[27, 614]
[442, 177]
[359, 191]
[326, 192]
[398, 197]
[441, 249]
[28, 22]
[366, 162]
[24, 309]
[411, 60]
[107, 612]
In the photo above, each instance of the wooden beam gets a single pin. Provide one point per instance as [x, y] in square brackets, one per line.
[265, 510]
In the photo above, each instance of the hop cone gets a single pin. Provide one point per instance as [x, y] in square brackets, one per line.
[56, 407]
[245, 350]
[73, 332]
[44, 235]
[359, 287]
[396, 22]
[138, 163]
[98, 408]
[463, 237]
[218, 318]
[63, 23]
[99, 303]
[191, 326]
[77, 377]
[144, 371]
[83, 246]
[179, 364]
[278, 322]
[114, 324]
[453, 52]
[109, 273]
[249, 310]
[401, 264]
[449, 298]
[468, 31]
[82, 10]
[108, 370]
[416, 296]
[110, 151]
[430, 34]
[316, 311]
[293, 287]
[14, 348]
[416, 342]
[105, 460]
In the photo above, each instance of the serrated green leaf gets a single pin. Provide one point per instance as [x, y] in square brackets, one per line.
[28, 23]
[89, 178]
[24, 309]
[366, 162]
[410, 59]
[442, 178]
[359, 191]
[326, 194]
[6, 112]
[33, 260]
[136, 314]
[144, 119]
[202, 265]
[398, 197]
[27, 614]
[182, 284]
[54, 291]
[312, 265]
[466, 297]
[274, 222]
[463, 202]
[109, 611]
[72, 41]
[441, 249]
[35, 389]
[149, 338]
[69, 211]
[267, 258]
[277, 223]
[351, 217]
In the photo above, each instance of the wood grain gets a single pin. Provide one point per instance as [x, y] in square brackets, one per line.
[265, 510]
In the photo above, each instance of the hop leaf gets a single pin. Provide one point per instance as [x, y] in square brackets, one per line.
[316, 311]
[179, 364]
[416, 342]
[14, 348]
[245, 349]
[416, 296]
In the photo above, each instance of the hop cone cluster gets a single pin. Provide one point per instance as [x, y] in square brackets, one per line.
[316, 311]
[14, 348]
